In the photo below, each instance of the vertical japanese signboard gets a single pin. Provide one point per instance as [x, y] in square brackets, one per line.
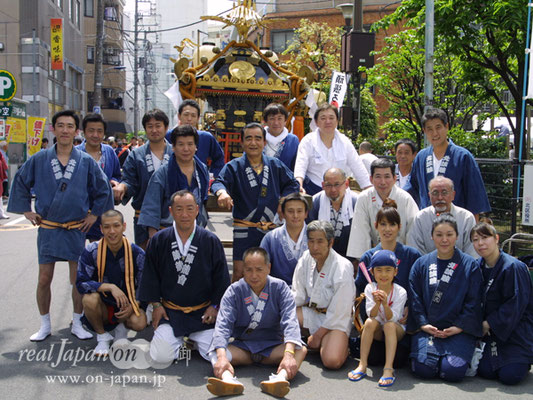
[56, 45]
[527, 204]
[35, 134]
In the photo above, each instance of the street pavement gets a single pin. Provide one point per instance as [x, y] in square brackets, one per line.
[61, 368]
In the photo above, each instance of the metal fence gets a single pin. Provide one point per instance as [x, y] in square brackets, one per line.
[501, 185]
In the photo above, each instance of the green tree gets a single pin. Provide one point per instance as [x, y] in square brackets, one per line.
[488, 37]
[399, 75]
[317, 45]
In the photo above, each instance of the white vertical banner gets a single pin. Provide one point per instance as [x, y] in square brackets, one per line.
[530, 73]
[527, 204]
[173, 93]
[337, 91]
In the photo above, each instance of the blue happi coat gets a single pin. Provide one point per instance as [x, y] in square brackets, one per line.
[451, 299]
[136, 173]
[255, 197]
[163, 184]
[62, 194]
[271, 322]
[288, 150]
[186, 280]
[111, 167]
[459, 165]
[208, 149]
[87, 276]
[282, 260]
[508, 308]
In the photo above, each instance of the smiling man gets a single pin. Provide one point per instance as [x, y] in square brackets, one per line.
[280, 143]
[445, 158]
[109, 273]
[71, 191]
[441, 194]
[94, 127]
[141, 163]
[363, 234]
[252, 185]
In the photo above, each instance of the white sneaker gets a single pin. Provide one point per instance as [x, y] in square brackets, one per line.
[42, 334]
[276, 386]
[80, 332]
[149, 311]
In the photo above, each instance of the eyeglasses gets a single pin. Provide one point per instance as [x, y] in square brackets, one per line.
[333, 185]
[436, 193]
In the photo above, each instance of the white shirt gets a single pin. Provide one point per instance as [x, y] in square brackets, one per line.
[363, 234]
[396, 299]
[314, 158]
[367, 159]
[436, 164]
[183, 248]
[273, 142]
[156, 161]
[332, 288]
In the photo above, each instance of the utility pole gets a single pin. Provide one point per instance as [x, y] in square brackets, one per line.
[146, 78]
[428, 74]
[35, 86]
[98, 55]
[136, 73]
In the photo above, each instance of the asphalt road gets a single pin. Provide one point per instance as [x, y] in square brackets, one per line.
[58, 368]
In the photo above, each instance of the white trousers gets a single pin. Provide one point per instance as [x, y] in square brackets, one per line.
[165, 346]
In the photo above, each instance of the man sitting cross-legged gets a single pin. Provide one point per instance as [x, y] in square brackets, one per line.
[260, 313]
[109, 271]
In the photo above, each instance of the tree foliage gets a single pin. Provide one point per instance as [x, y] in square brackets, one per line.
[399, 75]
[488, 37]
[317, 45]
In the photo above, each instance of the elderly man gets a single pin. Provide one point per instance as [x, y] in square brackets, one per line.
[363, 234]
[441, 194]
[259, 312]
[185, 275]
[71, 191]
[280, 143]
[405, 152]
[335, 203]
[443, 157]
[252, 185]
[109, 272]
[286, 244]
[365, 154]
[324, 290]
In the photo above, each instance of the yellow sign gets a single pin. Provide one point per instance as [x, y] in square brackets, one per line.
[56, 45]
[35, 134]
[16, 130]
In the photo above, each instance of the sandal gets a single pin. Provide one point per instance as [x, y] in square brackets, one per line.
[357, 375]
[388, 381]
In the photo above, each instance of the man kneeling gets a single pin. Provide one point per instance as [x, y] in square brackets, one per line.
[260, 313]
[108, 274]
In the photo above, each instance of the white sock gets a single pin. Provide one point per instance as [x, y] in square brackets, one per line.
[283, 374]
[227, 376]
[45, 321]
[104, 337]
[121, 332]
[76, 318]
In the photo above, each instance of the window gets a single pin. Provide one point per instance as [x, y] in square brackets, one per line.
[58, 3]
[89, 8]
[77, 10]
[280, 40]
[110, 14]
[90, 54]
[112, 56]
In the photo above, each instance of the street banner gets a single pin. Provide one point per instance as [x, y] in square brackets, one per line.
[337, 91]
[174, 95]
[35, 134]
[527, 204]
[16, 130]
[56, 45]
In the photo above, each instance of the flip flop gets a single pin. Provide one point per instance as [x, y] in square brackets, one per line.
[218, 387]
[357, 375]
[389, 380]
[278, 388]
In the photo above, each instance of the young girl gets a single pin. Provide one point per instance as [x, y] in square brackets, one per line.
[507, 310]
[385, 303]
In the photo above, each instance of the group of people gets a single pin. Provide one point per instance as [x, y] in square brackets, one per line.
[297, 264]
